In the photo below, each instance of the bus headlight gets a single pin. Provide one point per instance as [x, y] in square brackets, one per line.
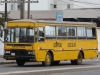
[7, 51]
[31, 52]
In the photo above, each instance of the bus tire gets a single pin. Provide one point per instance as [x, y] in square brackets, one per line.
[55, 63]
[77, 61]
[48, 59]
[20, 62]
[72, 62]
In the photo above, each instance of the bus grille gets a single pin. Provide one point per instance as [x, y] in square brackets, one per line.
[21, 53]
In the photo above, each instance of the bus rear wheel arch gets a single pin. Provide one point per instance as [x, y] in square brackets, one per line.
[79, 59]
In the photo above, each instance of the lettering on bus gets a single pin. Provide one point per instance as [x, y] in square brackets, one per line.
[71, 45]
[57, 44]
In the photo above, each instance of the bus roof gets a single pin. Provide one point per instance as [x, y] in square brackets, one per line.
[54, 22]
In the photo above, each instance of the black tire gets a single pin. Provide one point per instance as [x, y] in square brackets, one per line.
[20, 62]
[78, 61]
[55, 63]
[47, 62]
[72, 62]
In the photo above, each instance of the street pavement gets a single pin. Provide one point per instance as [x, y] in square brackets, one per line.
[64, 68]
[3, 61]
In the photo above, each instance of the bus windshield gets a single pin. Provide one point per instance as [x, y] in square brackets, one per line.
[19, 35]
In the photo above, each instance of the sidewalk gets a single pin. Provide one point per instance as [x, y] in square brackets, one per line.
[3, 61]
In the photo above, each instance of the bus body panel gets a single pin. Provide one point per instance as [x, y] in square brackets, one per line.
[68, 53]
[20, 24]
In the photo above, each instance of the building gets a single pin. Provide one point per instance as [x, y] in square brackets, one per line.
[10, 6]
[63, 4]
[42, 5]
[53, 5]
[86, 4]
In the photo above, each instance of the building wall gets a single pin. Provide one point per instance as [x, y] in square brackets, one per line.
[87, 4]
[63, 4]
[42, 5]
[50, 4]
[2, 6]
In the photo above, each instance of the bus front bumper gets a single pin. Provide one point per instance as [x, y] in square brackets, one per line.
[9, 57]
[24, 55]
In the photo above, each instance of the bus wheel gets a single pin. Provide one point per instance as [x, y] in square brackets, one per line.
[47, 61]
[55, 63]
[20, 62]
[73, 62]
[78, 61]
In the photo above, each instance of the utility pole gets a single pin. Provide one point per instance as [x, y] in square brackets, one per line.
[22, 7]
[28, 13]
[5, 14]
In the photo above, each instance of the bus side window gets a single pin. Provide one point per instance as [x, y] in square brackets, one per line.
[81, 32]
[71, 31]
[40, 33]
[50, 32]
[91, 33]
[94, 32]
[61, 32]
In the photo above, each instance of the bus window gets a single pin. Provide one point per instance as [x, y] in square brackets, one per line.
[7, 38]
[94, 32]
[50, 32]
[12, 35]
[91, 33]
[61, 32]
[81, 32]
[30, 35]
[26, 35]
[17, 34]
[71, 32]
[40, 34]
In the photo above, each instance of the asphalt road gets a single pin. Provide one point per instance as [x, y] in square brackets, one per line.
[89, 67]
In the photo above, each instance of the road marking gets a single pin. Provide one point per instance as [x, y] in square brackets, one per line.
[91, 60]
[45, 70]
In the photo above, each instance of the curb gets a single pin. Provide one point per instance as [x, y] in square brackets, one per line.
[2, 63]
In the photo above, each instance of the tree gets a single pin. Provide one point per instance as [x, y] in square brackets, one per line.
[2, 19]
[2, 23]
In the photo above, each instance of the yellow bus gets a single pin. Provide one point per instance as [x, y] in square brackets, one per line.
[50, 42]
